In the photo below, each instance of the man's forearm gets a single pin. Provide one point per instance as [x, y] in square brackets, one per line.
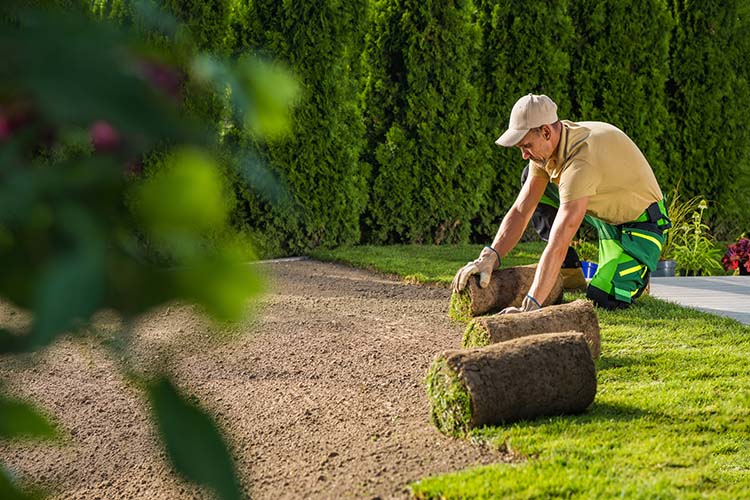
[548, 270]
[510, 232]
[567, 221]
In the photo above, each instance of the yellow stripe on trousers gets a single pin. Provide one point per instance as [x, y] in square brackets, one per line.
[646, 237]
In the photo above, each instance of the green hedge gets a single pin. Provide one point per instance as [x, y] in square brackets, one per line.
[525, 48]
[318, 163]
[709, 98]
[393, 136]
[619, 69]
[422, 108]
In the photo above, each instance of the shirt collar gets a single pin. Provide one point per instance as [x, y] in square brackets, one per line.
[561, 152]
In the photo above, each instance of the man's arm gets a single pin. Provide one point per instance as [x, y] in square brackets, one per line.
[515, 221]
[568, 220]
[513, 225]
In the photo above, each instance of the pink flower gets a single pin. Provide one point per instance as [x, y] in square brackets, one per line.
[162, 76]
[104, 136]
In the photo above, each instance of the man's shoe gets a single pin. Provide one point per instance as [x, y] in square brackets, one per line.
[573, 279]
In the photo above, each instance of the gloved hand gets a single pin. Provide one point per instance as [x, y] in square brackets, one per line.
[488, 260]
[529, 304]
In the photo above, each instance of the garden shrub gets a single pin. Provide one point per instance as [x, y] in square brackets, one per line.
[708, 97]
[318, 162]
[423, 122]
[525, 49]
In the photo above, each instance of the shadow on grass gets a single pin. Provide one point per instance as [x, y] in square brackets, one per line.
[615, 412]
[613, 362]
[597, 412]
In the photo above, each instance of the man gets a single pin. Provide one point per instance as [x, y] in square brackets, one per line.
[578, 171]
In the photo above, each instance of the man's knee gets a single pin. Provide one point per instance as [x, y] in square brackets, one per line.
[607, 300]
[603, 299]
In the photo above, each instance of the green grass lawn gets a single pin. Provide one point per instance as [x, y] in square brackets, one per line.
[424, 263]
[671, 417]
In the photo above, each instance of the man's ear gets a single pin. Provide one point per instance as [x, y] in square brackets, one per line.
[546, 132]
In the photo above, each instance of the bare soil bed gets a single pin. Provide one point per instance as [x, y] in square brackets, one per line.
[320, 395]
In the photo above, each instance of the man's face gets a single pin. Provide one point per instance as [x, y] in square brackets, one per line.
[536, 145]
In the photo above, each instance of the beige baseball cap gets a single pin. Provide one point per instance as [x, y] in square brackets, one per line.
[530, 111]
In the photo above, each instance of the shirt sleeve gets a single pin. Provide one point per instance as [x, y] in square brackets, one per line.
[535, 170]
[579, 180]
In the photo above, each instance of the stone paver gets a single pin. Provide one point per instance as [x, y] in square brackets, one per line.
[723, 295]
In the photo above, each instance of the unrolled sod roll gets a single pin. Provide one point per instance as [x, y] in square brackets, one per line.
[507, 287]
[579, 316]
[524, 378]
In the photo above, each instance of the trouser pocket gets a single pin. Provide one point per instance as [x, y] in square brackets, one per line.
[643, 241]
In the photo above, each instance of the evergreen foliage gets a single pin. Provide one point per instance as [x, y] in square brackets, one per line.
[525, 49]
[423, 118]
[208, 22]
[709, 98]
[619, 69]
[319, 161]
[393, 139]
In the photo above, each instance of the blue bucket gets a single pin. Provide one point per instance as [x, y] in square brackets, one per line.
[589, 269]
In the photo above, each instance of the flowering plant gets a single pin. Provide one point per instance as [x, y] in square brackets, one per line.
[737, 254]
[694, 248]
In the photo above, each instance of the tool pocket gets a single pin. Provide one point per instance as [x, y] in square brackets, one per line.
[643, 241]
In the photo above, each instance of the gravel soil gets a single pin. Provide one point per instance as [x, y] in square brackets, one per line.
[320, 395]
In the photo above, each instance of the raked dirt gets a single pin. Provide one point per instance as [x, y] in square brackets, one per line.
[320, 395]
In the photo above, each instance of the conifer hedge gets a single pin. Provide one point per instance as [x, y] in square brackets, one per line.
[393, 136]
[426, 178]
[619, 69]
[709, 99]
[318, 163]
[525, 49]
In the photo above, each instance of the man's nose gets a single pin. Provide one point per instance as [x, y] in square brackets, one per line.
[525, 154]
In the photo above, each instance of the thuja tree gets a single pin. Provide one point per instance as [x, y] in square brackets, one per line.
[208, 22]
[79, 103]
[614, 79]
[319, 161]
[422, 111]
[708, 97]
[525, 47]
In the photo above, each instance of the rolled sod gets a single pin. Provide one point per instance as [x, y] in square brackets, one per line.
[523, 378]
[579, 316]
[507, 287]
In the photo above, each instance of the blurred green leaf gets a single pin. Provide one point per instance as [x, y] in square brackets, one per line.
[156, 19]
[10, 342]
[21, 419]
[195, 446]
[9, 490]
[261, 92]
[183, 200]
[273, 89]
[259, 178]
[71, 285]
[222, 283]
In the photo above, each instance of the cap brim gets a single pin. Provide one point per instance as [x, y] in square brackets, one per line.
[511, 137]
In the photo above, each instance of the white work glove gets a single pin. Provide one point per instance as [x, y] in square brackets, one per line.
[529, 304]
[488, 260]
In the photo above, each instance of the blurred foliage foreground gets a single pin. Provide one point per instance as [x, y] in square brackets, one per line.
[82, 102]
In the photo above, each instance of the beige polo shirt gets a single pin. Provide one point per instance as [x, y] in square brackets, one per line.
[598, 160]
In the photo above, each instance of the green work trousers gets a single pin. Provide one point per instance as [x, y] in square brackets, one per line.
[627, 252]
